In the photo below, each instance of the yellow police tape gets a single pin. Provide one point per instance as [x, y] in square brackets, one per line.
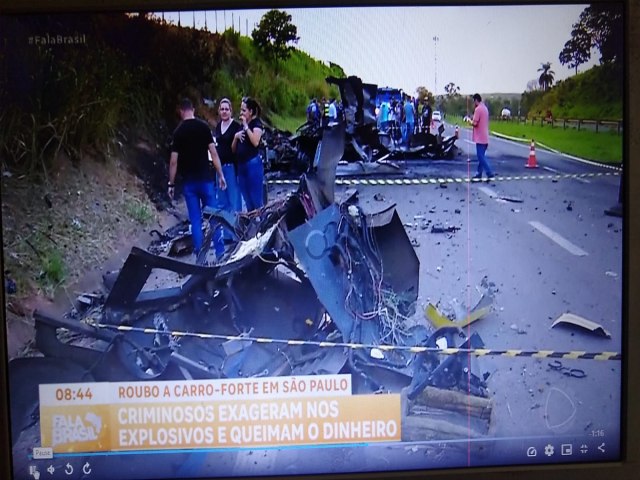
[478, 352]
[439, 181]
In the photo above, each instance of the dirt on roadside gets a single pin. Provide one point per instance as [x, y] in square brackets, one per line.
[61, 234]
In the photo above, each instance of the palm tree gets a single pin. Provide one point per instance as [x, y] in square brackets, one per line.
[546, 77]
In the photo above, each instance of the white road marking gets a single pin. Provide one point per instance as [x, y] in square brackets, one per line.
[579, 179]
[488, 191]
[582, 180]
[559, 239]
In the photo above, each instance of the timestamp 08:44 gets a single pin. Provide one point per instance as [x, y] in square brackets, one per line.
[69, 394]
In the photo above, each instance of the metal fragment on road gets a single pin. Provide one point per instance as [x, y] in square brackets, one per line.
[576, 320]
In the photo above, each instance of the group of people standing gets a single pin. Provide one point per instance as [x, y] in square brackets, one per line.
[407, 116]
[233, 152]
[324, 112]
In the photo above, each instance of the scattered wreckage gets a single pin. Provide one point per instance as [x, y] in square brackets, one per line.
[331, 287]
[364, 141]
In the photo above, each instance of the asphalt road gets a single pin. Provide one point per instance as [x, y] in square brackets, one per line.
[541, 236]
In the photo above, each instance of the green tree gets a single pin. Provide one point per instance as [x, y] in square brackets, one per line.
[528, 99]
[452, 90]
[424, 94]
[546, 77]
[274, 34]
[600, 26]
[577, 50]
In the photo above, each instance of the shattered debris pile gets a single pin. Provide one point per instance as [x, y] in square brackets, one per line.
[309, 285]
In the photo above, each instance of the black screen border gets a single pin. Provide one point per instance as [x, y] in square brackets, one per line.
[626, 469]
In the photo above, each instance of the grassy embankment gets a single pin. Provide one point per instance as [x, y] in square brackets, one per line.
[284, 89]
[83, 112]
[605, 146]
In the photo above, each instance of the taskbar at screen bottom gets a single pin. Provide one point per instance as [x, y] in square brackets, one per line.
[333, 459]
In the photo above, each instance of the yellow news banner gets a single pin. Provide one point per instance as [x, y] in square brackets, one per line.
[263, 413]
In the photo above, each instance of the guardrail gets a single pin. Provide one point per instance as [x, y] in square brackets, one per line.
[579, 123]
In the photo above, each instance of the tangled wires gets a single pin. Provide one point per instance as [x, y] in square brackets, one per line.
[367, 297]
[356, 250]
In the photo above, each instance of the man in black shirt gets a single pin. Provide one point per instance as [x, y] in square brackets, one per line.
[426, 116]
[192, 144]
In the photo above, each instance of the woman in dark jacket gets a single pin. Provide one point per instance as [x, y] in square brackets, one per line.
[226, 129]
[245, 145]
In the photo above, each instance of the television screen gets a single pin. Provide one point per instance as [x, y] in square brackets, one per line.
[361, 241]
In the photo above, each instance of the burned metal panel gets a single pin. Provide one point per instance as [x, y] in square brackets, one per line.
[358, 100]
[320, 361]
[369, 93]
[571, 319]
[136, 270]
[330, 152]
[99, 359]
[270, 305]
[400, 263]
[363, 152]
[312, 243]
[350, 102]
[319, 184]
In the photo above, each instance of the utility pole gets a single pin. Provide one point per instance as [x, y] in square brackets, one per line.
[436, 39]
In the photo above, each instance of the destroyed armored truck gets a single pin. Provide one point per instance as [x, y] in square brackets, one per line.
[364, 142]
[312, 285]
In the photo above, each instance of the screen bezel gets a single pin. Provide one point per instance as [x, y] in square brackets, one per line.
[627, 468]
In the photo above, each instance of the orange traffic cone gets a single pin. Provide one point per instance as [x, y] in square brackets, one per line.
[532, 163]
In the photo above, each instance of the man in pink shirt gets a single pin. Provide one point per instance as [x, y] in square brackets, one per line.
[481, 136]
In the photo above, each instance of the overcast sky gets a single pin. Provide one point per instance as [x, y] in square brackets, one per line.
[486, 49]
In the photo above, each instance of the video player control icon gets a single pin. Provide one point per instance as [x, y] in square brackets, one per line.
[566, 449]
[532, 452]
[86, 468]
[549, 450]
[68, 469]
[51, 469]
